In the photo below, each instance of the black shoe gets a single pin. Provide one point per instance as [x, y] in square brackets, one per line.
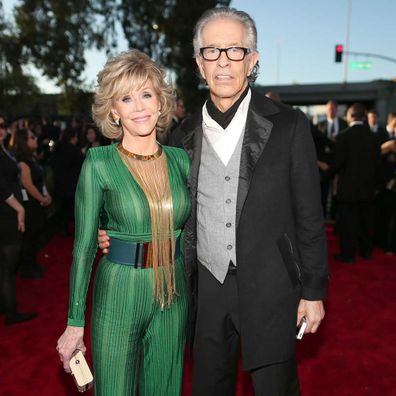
[19, 317]
[345, 260]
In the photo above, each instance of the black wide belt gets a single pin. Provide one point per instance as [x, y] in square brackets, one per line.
[133, 253]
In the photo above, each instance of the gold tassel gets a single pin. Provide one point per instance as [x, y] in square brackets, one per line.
[153, 178]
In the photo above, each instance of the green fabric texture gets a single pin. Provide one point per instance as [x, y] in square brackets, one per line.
[135, 345]
[107, 194]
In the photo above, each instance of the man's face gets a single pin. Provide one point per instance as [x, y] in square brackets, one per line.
[226, 79]
[331, 110]
[180, 109]
[372, 119]
[349, 117]
[392, 123]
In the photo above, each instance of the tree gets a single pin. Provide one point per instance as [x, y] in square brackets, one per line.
[15, 84]
[179, 34]
[163, 29]
[55, 34]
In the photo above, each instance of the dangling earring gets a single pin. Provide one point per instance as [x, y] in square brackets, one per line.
[117, 121]
[159, 113]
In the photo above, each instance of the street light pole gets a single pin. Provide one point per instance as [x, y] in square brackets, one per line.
[348, 34]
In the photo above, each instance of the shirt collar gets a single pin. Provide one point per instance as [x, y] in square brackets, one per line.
[241, 110]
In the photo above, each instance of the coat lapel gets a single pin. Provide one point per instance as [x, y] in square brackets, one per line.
[257, 132]
[192, 143]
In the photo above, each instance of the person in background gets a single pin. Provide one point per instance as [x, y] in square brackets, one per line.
[387, 227]
[381, 217]
[380, 132]
[177, 118]
[36, 198]
[91, 138]
[356, 162]
[66, 162]
[331, 127]
[139, 310]
[12, 226]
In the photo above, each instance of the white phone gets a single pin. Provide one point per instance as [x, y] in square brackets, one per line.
[301, 328]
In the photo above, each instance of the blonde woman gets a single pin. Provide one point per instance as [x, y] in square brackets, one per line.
[136, 190]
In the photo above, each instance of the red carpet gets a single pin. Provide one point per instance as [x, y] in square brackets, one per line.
[353, 354]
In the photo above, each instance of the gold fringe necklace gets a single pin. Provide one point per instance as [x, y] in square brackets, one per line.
[151, 173]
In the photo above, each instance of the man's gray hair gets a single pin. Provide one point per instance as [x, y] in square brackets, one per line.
[230, 13]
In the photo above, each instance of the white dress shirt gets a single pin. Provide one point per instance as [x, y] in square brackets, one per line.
[223, 140]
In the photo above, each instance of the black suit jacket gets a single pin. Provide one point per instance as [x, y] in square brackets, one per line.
[280, 241]
[356, 161]
[342, 125]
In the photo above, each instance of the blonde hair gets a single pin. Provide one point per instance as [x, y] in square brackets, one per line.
[124, 73]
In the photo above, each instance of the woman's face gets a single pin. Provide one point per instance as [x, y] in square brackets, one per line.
[91, 135]
[31, 141]
[138, 111]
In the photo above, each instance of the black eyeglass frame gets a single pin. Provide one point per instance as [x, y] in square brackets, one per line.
[246, 51]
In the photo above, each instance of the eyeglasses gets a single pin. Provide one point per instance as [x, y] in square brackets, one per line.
[233, 53]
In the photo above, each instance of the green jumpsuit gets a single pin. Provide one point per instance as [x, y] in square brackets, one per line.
[135, 344]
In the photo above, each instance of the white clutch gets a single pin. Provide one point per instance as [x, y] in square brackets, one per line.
[81, 373]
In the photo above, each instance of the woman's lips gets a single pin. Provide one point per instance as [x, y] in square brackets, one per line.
[141, 118]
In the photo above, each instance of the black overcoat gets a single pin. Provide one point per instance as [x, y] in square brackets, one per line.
[280, 240]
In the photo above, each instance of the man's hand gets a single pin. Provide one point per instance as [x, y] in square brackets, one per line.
[103, 241]
[322, 165]
[314, 313]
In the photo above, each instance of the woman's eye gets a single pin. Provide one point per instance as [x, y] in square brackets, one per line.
[126, 99]
[147, 95]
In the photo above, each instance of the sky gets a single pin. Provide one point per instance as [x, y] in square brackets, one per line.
[297, 38]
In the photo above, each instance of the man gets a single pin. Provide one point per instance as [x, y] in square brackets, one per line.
[386, 224]
[381, 214]
[357, 163]
[178, 116]
[379, 132]
[255, 244]
[333, 124]
[331, 127]
[255, 239]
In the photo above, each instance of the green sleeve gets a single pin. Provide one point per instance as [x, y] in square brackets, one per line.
[186, 165]
[88, 202]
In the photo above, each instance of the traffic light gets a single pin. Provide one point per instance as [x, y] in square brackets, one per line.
[339, 49]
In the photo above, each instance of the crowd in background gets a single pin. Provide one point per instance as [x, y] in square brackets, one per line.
[356, 158]
[40, 162]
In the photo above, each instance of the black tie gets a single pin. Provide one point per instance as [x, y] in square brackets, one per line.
[332, 129]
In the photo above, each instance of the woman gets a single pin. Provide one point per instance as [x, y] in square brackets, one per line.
[66, 162]
[36, 198]
[90, 139]
[136, 189]
[12, 225]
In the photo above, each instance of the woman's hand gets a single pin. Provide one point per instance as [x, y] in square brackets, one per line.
[14, 203]
[21, 219]
[71, 340]
[47, 200]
